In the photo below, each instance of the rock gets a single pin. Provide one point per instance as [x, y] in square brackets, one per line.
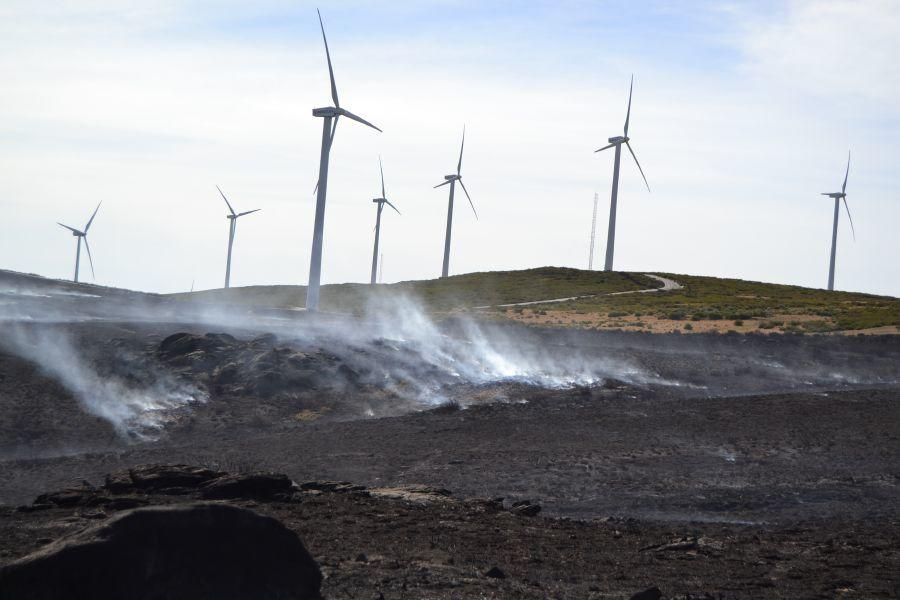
[160, 478]
[173, 553]
[67, 498]
[332, 486]
[525, 508]
[495, 573]
[653, 593]
[260, 486]
[181, 344]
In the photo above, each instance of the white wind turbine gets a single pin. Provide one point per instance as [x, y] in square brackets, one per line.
[838, 196]
[82, 235]
[452, 179]
[380, 202]
[617, 142]
[232, 227]
[330, 115]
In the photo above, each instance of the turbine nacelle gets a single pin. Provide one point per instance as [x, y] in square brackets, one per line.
[619, 139]
[328, 111]
[377, 200]
[835, 195]
[453, 177]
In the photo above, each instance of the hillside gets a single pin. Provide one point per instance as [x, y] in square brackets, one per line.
[703, 304]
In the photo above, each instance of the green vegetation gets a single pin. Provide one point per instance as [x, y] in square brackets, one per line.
[735, 302]
[711, 298]
[454, 293]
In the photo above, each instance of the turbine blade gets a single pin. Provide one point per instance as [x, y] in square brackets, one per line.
[88, 226]
[330, 142]
[437, 186]
[469, 197]
[248, 212]
[226, 200]
[90, 258]
[392, 206]
[333, 131]
[461, 146]
[381, 169]
[628, 114]
[604, 148]
[334, 94]
[350, 115]
[638, 165]
[847, 174]
[72, 229]
[851, 218]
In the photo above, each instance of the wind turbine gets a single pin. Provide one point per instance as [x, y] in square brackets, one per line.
[80, 235]
[617, 142]
[233, 217]
[330, 117]
[380, 202]
[838, 196]
[452, 179]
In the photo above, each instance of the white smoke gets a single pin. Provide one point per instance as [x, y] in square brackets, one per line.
[421, 359]
[136, 413]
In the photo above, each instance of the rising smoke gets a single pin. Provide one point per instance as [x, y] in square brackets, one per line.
[136, 413]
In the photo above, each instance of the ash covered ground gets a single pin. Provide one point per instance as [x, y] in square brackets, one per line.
[772, 448]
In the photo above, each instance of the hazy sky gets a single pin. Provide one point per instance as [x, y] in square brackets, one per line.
[743, 113]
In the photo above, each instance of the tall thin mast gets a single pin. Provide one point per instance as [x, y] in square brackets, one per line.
[593, 233]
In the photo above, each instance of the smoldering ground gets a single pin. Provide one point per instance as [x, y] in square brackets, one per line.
[115, 354]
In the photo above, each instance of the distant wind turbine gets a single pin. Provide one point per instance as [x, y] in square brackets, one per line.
[617, 143]
[380, 202]
[80, 235]
[838, 196]
[330, 115]
[452, 179]
[232, 227]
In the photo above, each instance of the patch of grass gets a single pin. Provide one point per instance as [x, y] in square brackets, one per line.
[452, 293]
[703, 298]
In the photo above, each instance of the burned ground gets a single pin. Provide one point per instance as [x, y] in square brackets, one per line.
[742, 465]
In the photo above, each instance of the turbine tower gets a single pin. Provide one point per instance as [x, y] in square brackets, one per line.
[452, 179]
[616, 142]
[330, 115]
[380, 202]
[233, 217]
[838, 196]
[82, 235]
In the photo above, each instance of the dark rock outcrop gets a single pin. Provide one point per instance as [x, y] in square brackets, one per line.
[159, 478]
[260, 486]
[187, 552]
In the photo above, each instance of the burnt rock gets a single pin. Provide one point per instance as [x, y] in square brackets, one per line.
[525, 508]
[653, 593]
[259, 486]
[495, 573]
[66, 498]
[181, 344]
[184, 552]
[160, 478]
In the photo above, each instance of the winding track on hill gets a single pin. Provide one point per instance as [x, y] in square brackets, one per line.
[667, 286]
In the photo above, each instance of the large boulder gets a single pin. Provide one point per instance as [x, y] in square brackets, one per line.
[194, 552]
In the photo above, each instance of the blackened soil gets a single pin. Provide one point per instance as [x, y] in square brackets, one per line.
[370, 543]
